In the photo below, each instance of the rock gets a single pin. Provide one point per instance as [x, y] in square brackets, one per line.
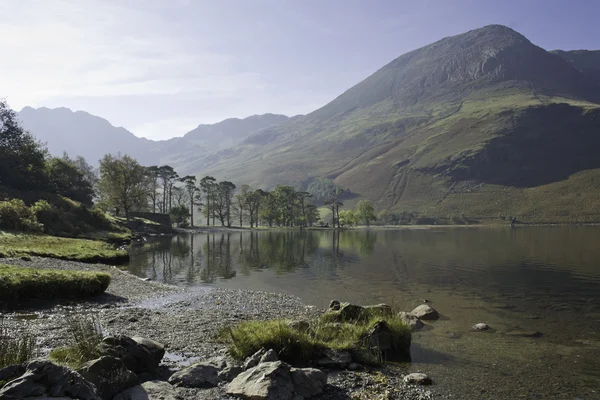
[109, 375]
[481, 327]
[156, 349]
[335, 359]
[412, 321]
[334, 305]
[43, 378]
[137, 357]
[254, 359]
[269, 356]
[229, 373]
[11, 372]
[300, 326]
[382, 310]
[418, 378]
[346, 312]
[270, 380]
[200, 375]
[532, 334]
[391, 346]
[355, 367]
[425, 313]
[148, 391]
[308, 382]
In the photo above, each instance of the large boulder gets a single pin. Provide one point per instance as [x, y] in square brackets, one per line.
[270, 380]
[150, 390]
[139, 354]
[413, 322]
[345, 312]
[269, 356]
[199, 375]
[334, 359]
[109, 375]
[253, 360]
[379, 310]
[426, 313]
[308, 382]
[392, 346]
[43, 378]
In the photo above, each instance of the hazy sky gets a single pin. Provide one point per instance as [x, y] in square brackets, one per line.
[161, 67]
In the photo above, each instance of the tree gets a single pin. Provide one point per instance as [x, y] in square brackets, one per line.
[334, 203]
[154, 174]
[179, 215]
[168, 176]
[365, 212]
[312, 214]
[222, 201]
[67, 180]
[190, 186]
[123, 183]
[347, 218]
[179, 196]
[22, 158]
[303, 196]
[207, 184]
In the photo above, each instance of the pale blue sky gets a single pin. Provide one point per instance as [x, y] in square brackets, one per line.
[161, 67]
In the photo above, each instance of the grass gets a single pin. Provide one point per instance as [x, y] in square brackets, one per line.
[14, 348]
[83, 250]
[299, 346]
[17, 283]
[86, 335]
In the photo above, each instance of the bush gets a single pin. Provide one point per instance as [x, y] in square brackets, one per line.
[16, 216]
[15, 348]
[86, 335]
[17, 283]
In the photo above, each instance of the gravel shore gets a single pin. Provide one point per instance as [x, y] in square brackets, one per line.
[188, 321]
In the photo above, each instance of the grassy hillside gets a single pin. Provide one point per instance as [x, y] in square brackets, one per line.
[483, 124]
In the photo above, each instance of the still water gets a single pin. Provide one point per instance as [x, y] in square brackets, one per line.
[518, 281]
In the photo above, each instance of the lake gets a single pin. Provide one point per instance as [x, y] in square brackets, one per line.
[519, 281]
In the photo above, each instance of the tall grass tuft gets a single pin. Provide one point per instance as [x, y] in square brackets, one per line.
[15, 348]
[86, 335]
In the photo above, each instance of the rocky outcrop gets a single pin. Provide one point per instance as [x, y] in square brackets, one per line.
[45, 379]
[206, 374]
[345, 312]
[392, 347]
[277, 381]
[254, 359]
[412, 321]
[138, 354]
[425, 312]
[150, 390]
[334, 359]
[109, 375]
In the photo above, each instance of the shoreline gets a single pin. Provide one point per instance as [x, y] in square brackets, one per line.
[187, 321]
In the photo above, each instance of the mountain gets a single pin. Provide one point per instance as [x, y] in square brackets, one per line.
[82, 134]
[483, 124]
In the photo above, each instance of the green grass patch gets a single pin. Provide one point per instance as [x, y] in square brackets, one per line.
[91, 251]
[300, 346]
[86, 335]
[17, 283]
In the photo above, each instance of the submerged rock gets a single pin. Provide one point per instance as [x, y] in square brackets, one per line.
[411, 321]
[418, 378]
[109, 374]
[481, 327]
[425, 313]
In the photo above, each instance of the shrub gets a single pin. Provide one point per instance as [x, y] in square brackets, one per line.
[86, 335]
[16, 216]
[14, 348]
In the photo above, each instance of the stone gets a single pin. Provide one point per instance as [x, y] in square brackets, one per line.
[355, 367]
[155, 348]
[413, 322]
[109, 375]
[300, 326]
[308, 382]
[531, 334]
[334, 305]
[200, 375]
[335, 359]
[389, 345]
[229, 373]
[43, 378]
[425, 312]
[418, 378]
[148, 391]
[137, 357]
[11, 372]
[481, 327]
[346, 312]
[382, 309]
[270, 355]
[254, 359]
[270, 380]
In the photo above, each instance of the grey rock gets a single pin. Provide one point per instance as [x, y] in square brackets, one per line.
[43, 378]
[109, 375]
[334, 305]
[418, 378]
[155, 348]
[137, 357]
[254, 359]
[335, 359]
[355, 367]
[382, 309]
[269, 356]
[229, 373]
[308, 382]
[481, 327]
[200, 375]
[300, 325]
[270, 380]
[11, 372]
[425, 312]
[346, 312]
[149, 391]
[412, 321]
[391, 346]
